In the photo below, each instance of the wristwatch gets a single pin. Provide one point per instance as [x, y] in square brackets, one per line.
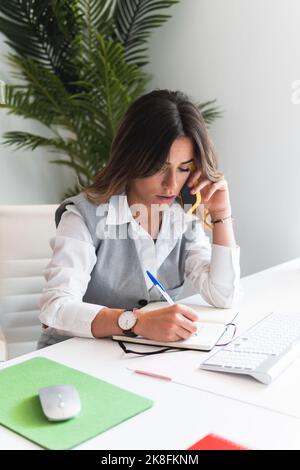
[127, 321]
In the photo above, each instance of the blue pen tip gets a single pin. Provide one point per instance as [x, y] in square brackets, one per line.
[155, 281]
[151, 277]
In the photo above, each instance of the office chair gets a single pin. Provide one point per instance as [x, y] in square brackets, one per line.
[25, 231]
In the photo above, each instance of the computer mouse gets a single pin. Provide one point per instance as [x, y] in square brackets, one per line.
[60, 402]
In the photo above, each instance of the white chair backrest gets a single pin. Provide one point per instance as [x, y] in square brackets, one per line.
[25, 232]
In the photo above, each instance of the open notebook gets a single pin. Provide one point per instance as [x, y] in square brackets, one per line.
[212, 325]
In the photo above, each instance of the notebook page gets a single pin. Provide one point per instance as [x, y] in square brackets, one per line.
[207, 314]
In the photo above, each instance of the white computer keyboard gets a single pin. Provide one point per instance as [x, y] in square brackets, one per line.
[264, 351]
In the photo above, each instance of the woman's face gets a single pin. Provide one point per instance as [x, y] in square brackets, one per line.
[165, 185]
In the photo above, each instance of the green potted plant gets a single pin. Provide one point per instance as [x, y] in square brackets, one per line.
[79, 65]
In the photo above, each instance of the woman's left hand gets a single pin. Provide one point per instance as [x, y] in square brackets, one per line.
[214, 196]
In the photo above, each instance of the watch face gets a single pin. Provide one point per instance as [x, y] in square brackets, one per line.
[127, 320]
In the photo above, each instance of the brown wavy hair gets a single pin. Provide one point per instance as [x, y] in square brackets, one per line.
[144, 138]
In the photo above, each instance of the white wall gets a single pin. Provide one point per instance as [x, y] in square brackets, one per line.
[26, 177]
[245, 53]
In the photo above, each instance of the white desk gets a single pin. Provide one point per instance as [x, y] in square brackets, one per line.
[182, 415]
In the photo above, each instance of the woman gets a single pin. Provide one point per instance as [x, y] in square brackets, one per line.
[131, 220]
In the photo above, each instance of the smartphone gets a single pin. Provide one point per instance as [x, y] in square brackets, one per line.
[193, 200]
[187, 197]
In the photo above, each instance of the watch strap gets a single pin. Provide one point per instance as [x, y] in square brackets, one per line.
[130, 333]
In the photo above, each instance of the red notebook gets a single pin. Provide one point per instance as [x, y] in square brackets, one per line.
[213, 442]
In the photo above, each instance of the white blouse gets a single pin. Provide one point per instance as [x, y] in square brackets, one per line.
[213, 270]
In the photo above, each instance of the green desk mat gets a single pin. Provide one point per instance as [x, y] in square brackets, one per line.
[103, 405]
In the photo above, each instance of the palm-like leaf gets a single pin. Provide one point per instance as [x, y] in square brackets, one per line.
[134, 19]
[210, 112]
[43, 31]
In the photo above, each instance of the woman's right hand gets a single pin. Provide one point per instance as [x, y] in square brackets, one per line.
[173, 323]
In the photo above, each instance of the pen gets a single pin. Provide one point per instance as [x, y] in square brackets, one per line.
[151, 374]
[161, 288]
